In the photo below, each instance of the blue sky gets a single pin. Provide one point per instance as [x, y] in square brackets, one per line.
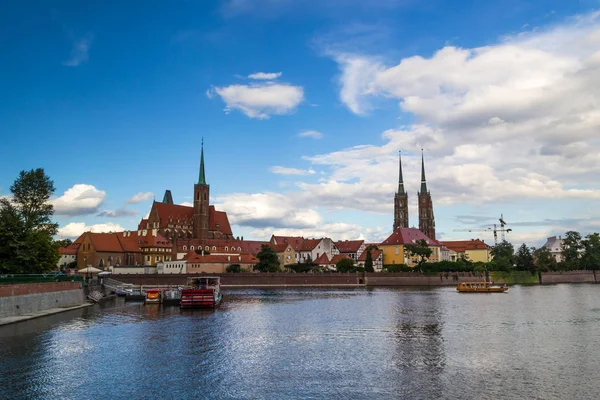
[113, 100]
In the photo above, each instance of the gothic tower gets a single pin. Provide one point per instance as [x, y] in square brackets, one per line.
[426, 220]
[201, 196]
[400, 201]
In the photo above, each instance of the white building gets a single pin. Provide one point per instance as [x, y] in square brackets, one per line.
[314, 248]
[555, 246]
[172, 267]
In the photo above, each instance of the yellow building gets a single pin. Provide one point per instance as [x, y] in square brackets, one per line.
[474, 250]
[285, 254]
[394, 247]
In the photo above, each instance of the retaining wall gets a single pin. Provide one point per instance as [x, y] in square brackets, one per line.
[415, 279]
[23, 299]
[569, 277]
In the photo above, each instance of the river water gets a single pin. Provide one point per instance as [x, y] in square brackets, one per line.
[534, 342]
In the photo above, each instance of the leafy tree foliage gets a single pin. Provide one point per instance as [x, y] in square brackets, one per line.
[63, 243]
[234, 268]
[26, 226]
[524, 258]
[345, 265]
[419, 249]
[572, 247]
[369, 261]
[590, 258]
[268, 261]
[544, 260]
[503, 254]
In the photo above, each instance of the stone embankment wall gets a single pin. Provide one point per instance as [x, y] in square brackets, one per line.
[570, 277]
[250, 279]
[28, 298]
[414, 279]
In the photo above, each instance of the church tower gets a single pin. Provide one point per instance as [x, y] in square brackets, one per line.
[400, 201]
[201, 199]
[426, 220]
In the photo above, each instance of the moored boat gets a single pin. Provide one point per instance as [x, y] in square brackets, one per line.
[153, 296]
[204, 292]
[481, 287]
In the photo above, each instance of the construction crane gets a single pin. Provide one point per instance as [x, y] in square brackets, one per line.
[503, 230]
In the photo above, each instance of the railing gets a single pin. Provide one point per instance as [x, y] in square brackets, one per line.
[7, 279]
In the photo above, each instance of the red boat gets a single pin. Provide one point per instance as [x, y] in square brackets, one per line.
[202, 292]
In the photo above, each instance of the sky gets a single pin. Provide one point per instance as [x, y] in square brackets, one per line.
[303, 107]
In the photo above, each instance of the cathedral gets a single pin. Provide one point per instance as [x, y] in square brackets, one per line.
[199, 223]
[426, 219]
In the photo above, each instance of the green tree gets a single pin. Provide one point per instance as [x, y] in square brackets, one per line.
[503, 256]
[31, 194]
[62, 243]
[544, 260]
[572, 248]
[524, 258]
[26, 227]
[345, 265]
[590, 258]
[419, 249]
[268, 261]
[234, 268]
[369, 262]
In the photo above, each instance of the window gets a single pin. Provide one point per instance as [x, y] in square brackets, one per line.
[226, 248]
[397, 250]
[185, 247]
[191, 247]
[148, 258]
[214, 248]
[204, 195]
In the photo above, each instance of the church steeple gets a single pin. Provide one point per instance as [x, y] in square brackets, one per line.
[423, 181]
[400, 180]
[202, 177]
[400, 201]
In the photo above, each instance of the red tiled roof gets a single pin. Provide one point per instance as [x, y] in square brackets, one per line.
[174, 211]
[338, 257]
[408, 236]
[349, 246]
[460, 246]
[309, 244]
[71, 249]
[374, 255]
[143, 224]
[218, 218]
[79, 240]
[107, 242]
[279, 248]
[294, 241]
[322, 260]
[245, 246]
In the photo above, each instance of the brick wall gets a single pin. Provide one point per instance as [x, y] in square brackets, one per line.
[37, 288]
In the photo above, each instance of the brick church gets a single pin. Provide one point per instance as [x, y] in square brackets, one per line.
[197, 225]
[426, 218]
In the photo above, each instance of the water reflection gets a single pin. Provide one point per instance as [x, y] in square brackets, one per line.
[536, 342]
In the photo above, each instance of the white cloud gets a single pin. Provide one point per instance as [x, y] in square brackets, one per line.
[75, 229]
[291, 171]
[79, 52]
[187, 204]
[265, 75]
[260, 100]
[140, 197]
[120, 212]
[81, 199]
[335, 231]
[311, 134]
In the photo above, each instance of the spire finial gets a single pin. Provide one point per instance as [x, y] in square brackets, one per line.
[400, 179]
[423, 181]
[202, 177]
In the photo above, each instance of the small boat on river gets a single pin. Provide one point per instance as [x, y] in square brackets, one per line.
[153, 296]
[204, 292]
[481, 287]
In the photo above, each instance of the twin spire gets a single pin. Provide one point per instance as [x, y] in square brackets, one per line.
[401, 180]
[202, 177]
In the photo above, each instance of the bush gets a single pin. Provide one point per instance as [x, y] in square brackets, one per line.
[234, 268]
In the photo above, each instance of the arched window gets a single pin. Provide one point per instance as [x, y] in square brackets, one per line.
[204, 195]
[191, 247]
[239, 249]
[185, 247]
[226, 248]
[207, 248]
[214, 248]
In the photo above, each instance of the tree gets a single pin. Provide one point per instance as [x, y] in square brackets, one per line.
[369, 261]
[503, 254]
[268, 261]
[544, 260]
[31, 193]
[62, 243]
[524, 258]
[345, 265]
[590, 258]
[26, 227]
[419, 249]
[234, 268]
[571, 250]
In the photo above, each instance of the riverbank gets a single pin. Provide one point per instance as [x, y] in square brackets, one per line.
[38, 314]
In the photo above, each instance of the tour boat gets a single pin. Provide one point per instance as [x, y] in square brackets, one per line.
[481, 287]
[153, 296]
[204, 292]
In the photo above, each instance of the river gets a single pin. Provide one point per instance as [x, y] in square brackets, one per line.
[534, 342]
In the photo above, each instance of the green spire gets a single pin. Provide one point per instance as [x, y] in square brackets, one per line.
[423, 182]
[400, 179]
[202, 177]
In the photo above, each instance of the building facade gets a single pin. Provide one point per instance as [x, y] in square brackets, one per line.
[400, 201]
[395, 251]
[474, 250]
[426, 218]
